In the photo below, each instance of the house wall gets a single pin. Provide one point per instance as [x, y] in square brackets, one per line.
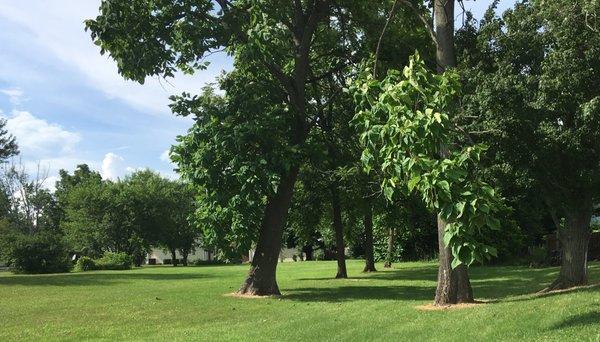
[286, 254]
[160, 255]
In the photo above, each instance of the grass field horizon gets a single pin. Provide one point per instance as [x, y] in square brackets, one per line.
[182, 303]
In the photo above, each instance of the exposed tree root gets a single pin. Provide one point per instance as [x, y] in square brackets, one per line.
[559, 286]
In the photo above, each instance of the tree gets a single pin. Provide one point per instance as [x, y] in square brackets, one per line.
[163, 208]
[453, 284]
[532, 82]
[8, 143]
[288, 48]
[29, 206]
[176, 35]
[406, 130]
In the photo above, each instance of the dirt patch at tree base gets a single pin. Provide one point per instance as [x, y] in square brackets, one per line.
[432, 307]
[241, 295]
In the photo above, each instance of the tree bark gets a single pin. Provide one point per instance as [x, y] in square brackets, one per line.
[184, 256]
[339, 233]
[389, 258]
[453, 285]
[173, 257]
[308, 252]
[369, 257]
[261, 279]
[574, 240]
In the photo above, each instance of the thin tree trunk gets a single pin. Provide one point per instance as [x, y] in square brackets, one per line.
[173, 257]
[339, 233]
[261, 279]
[453, 285]
[308, 252]
[389, 258]
[369, 257]
[574, 241]
[184, 256]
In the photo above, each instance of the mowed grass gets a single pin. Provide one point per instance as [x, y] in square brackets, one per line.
[168, 303]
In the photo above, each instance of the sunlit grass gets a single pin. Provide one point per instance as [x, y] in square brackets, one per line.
[167, 303]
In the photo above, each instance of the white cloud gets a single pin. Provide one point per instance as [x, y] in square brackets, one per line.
[59, 30]
[165, 156]
[38, 138]
[15, 95]
[113, 166]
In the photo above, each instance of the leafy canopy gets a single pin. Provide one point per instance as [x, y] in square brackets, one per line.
[407, 136]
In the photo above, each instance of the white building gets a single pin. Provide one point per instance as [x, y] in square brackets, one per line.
[285, 255]
[157, 256]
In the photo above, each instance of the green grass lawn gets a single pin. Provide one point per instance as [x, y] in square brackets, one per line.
[167, 303]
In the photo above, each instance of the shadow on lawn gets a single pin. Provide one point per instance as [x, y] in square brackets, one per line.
[349, 293]
[496, 283]
[588, 318]
[92, 278]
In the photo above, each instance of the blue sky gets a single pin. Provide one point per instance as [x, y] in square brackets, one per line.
[67, 105]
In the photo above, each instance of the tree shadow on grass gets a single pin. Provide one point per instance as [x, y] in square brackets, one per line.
[496, 283]
[427, 273]
[584, 319]
[351, 293]
[92, 278]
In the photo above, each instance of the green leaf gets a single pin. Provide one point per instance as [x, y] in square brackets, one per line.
[447, 238]
[455, 263]
[412, 183]
[388, 191]
[460, 209]
[444, 185]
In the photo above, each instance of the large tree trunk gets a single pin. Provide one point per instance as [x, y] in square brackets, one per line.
[444, 32]
[369, 257]
[453, 285]
[574, 241]
[389, 258]
[261, 279]
[446, 284]
[339, 233]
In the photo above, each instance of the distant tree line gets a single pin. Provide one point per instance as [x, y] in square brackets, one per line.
[41, 231]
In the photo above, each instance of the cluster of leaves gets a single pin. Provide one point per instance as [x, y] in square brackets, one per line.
[108, 261]
[531, 91]
[408, 135]
[125, 216]
[44, 252]
[233, 154]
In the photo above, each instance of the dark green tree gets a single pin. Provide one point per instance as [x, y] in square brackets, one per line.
[533, 87]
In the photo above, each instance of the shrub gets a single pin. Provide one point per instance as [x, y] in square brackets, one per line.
[114, 261]
[39, 253]
[167, 262]
[85, 264]
[200, 262]
[539, 256]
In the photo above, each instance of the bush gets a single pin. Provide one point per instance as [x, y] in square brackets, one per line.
[108, 261]
[114, 261]
[539, 256]
[167, 262]
[200, 262]
[85, 264]
[39, 253]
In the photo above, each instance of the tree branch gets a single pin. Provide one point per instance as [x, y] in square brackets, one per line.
[423, 19]
[387, 22]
